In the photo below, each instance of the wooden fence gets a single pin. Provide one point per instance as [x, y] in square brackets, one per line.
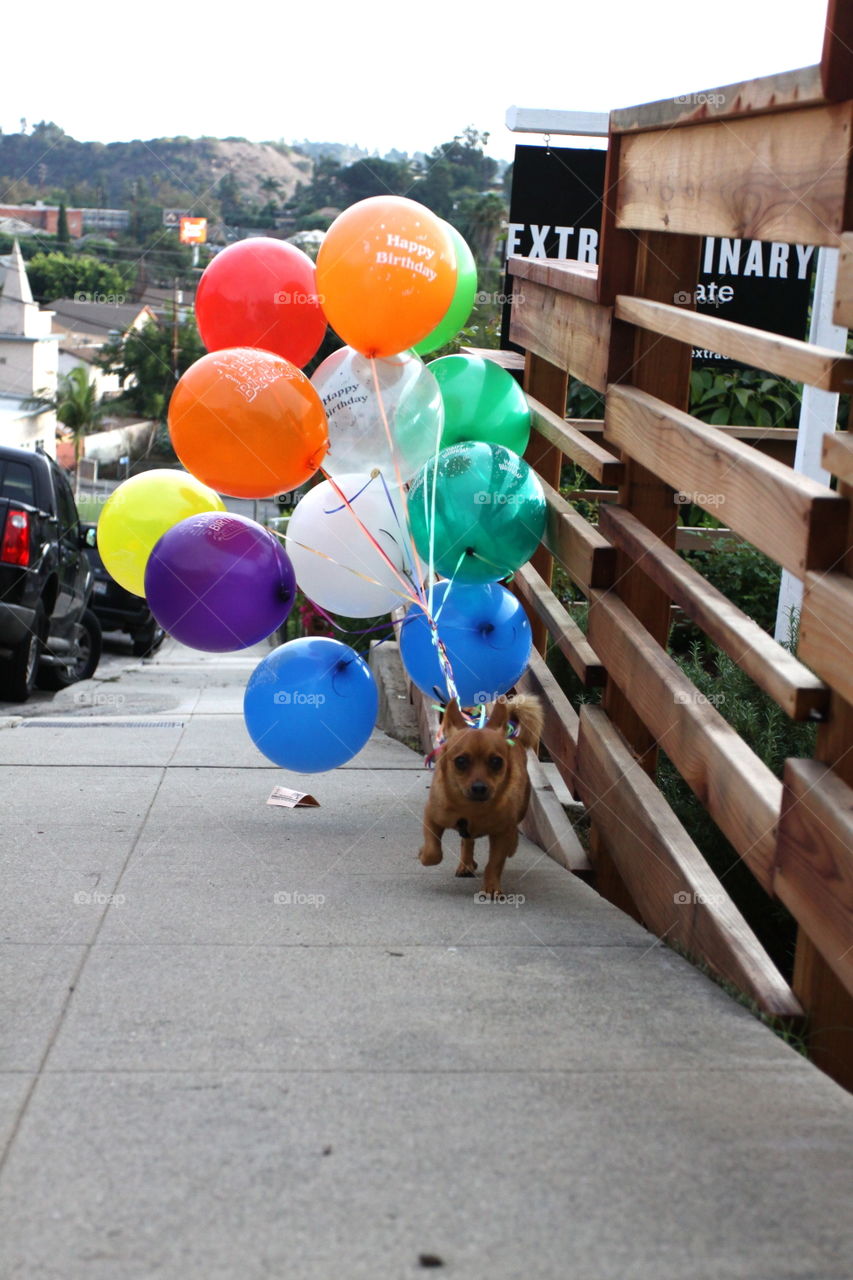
[766, 160]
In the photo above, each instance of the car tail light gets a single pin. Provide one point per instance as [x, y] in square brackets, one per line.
[16, 539]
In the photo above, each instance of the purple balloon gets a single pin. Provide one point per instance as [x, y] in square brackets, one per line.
[219, 582]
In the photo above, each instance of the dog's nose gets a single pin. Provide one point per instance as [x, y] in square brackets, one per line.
[478, 791]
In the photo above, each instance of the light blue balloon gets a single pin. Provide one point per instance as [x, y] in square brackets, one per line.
[485, 632]
[311, 704]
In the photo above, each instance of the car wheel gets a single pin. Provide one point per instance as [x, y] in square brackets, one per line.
[148, 639]
[87, 659]
[18, 673]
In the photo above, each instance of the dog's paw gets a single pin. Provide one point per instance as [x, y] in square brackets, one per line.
[430, 857]
[466, 870]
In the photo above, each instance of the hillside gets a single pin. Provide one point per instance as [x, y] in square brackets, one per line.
[179, 172]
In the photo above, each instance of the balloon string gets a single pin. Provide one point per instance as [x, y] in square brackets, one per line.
[392, 622]
[419, 576]
[400, 577]
[355, 572]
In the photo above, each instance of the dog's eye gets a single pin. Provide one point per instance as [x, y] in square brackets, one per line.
[496, 763]
[461, 763]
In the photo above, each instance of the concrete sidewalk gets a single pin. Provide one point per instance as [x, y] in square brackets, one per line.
[238, 1041]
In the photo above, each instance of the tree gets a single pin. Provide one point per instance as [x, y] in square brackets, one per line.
[62, 234]
[77, 405]
[143, 359]
[58, 275]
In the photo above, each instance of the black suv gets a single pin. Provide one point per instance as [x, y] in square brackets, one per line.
[48, 633]
[117, 609]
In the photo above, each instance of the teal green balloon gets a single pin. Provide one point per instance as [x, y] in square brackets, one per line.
[481, 402]
[459, 310]
[489, 511]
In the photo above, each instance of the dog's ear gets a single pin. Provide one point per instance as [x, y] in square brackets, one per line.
[498, 716]
[453, 721]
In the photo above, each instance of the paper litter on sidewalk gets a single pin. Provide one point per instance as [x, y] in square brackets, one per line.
[287, 799]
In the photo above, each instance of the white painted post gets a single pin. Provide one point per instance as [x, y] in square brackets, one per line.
[818, 413]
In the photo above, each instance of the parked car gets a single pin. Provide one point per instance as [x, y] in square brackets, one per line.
[48, 634]
[117, 609]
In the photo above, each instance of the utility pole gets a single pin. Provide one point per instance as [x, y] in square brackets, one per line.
[176, 349]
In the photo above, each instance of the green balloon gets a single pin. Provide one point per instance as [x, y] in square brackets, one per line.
[489, 511]
[481, 402]
[463, 298]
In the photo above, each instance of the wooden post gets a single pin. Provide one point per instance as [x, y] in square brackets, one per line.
[549, 385]
[666, 268]
[827, 1002]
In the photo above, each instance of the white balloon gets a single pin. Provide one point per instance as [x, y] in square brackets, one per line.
[410, 397]
[322, 522]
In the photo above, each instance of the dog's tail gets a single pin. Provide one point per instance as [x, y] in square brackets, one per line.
[526, 711]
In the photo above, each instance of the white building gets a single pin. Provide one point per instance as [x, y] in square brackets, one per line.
[29, 361]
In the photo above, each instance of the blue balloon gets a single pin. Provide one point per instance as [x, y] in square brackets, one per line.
[485, 632]
[311, 704]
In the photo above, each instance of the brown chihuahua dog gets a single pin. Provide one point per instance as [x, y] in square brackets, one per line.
[481, 787]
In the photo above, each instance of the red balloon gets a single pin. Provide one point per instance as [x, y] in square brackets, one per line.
[261, 293]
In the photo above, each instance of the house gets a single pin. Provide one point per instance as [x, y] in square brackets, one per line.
[29, 360]
[83, 327]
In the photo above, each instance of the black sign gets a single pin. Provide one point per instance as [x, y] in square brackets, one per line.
[555, 212]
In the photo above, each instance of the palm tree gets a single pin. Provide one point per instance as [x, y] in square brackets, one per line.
[76, 404]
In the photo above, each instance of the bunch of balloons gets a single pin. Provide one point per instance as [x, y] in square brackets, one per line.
[418, 471]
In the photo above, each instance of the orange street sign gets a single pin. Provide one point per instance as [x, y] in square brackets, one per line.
[193, 230]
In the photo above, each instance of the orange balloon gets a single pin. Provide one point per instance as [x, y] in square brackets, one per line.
[386, 274]
[248, 423]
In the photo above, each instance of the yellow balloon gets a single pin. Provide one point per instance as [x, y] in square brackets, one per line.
[139, 512]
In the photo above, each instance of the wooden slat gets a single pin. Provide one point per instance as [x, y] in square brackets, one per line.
[512, 361]
[678, 895]
[836, 62]
[799, 523]
[565, 274]
[780, 443]
[572, 442]
[843, 313]
[560, 732]
[818, 366]
[768, 177]
[814, 871]
[587, 557]
[569, 332]
[826, 629]
[738, 790]
[566, 633]
[838, 454]
[773, 668]
[750, 97]
[700, 538]
[546, 824]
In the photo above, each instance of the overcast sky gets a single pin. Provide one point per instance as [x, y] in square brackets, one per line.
[382, 74]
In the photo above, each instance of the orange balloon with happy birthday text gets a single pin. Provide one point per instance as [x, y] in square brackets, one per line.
[386, 274]
[248, 423]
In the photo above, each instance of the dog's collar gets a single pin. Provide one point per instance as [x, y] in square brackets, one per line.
[512, 732]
